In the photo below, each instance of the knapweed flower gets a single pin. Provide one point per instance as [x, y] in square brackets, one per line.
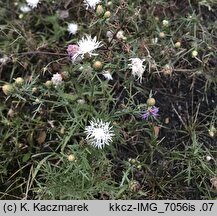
[151, 111]
[72, 28]
[57, 79]
[25, 8]
[87, 46]
[107, 75]
[72, 49]
[99, 133]
[32, 3]
[91, 3]
[137, 67]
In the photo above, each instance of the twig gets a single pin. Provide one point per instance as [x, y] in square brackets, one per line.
[39, 52]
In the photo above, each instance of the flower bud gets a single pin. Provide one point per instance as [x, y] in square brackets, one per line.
[109, 3]
[71, 157]
[139, 167]
[165, 23]
[48, 84]
[19, 81]
[34, 90]
[132, 161]
[97, 65]
[212, 131]
[167, 70]
[107, 14]
[8, 89]
[194, 53]
[134, 186]
[177, 44]
[65, 75]
[151, 102]
[99, 10]
[21, 16]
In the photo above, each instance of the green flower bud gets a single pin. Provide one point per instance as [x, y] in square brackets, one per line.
[8, 89]
[19, 81]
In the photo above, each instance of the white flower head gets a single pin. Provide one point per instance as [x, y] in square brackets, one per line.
[91, 3]
[57, 79]
[25, 8]
[72, 28]
[107, 75]
[32, 3]
[87, 46]
[99, 133]
[137, 67]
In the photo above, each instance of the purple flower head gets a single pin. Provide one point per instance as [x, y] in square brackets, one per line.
[151, 111]
[72, 49]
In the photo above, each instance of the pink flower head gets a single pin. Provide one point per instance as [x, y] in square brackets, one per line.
[152, 111]
[72, 49]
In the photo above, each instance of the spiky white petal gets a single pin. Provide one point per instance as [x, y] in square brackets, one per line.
[87, 46]
[107, 75]
[72, 28]
[99, 133]
[91, 3]
[32, 3]
[137, 67]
